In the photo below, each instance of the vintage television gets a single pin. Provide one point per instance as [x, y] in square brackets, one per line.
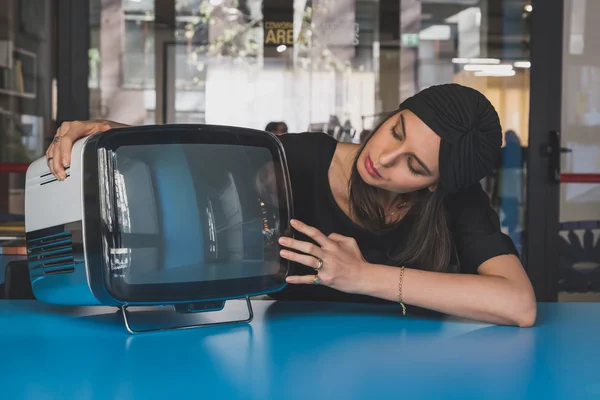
[186, 216]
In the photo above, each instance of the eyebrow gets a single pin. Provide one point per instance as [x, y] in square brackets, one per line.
[421, 163]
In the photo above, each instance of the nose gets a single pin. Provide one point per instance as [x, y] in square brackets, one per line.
[390, 156]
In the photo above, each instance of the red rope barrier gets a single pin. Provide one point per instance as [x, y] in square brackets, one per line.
[14, 168]
[580, 178]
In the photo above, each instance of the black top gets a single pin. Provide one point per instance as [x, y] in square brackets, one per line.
[474, 224]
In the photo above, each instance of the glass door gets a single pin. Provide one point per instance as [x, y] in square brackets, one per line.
[579, 207]
[564, 179]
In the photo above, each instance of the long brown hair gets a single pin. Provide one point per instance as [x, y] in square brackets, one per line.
[429, 245]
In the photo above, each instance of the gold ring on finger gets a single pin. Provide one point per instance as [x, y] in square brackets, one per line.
[56, 139]
[320, 266]
[317, 280]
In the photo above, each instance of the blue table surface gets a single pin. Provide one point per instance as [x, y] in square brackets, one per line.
[298, 350]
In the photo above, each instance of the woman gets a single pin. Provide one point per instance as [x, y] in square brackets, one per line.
[388, 220]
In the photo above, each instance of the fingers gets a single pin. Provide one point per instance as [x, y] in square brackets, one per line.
[55, 166]
[61, 156]
[303, 259]
[58, 155]
[341, 239]
[312, 233]
[304, 247]
[49, 158]
[54, 161]
[302, 280]
[64, 147]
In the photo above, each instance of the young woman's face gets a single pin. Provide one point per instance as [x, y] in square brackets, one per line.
[402, 156]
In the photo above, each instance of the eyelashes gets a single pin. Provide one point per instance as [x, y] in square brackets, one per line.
[409, 160]
[411, 168]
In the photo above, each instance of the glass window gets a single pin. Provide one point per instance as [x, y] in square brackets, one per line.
[579, 217]
[25, 103]
[332, 66]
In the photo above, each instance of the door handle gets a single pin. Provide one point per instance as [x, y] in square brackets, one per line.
[553, 152]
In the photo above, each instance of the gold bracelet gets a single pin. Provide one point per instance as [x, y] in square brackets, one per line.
[400, 290]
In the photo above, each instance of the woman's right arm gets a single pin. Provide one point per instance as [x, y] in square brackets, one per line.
[58, 154]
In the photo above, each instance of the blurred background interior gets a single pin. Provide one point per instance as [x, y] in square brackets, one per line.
[331, 66]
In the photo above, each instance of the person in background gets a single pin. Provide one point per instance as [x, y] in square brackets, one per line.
[401, 218]
[278, 128]
[509, 193]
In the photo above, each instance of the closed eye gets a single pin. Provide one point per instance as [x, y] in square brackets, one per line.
[395, 134]
[411, 168]
[412, 159]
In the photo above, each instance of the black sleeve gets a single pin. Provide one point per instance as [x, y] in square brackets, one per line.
[475, 227]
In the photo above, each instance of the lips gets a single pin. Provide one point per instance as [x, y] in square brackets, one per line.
[370, 168]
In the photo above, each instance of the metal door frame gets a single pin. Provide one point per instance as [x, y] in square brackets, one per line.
[541, 257]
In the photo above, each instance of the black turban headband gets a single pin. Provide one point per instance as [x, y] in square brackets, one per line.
[469, 128]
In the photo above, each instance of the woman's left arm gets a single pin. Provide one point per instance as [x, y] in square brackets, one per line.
[499, 293]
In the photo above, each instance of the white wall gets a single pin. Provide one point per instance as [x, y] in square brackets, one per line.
[237, 95]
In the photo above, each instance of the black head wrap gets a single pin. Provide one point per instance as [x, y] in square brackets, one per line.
[469, 128]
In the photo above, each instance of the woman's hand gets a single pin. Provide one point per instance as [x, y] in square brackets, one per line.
[58, 155]
[337, 260]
